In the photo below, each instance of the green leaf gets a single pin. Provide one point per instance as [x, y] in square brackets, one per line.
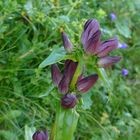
[9, 115]
[64, 18]
[8, 135]
[87, 102]
[102, 74]
[123, 28]
[57, 55]
[29, 7]
[29, 131]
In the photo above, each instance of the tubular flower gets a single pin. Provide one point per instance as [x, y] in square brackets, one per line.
[66, 43]
[91, 36]
[92, 45]
[56, 74]
[83, 83]
[40, 135]
[86, 83]
[108, 61]
[70, 68]
[63, 82]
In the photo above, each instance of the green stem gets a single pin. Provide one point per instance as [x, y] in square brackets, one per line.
[65, 124]
[76, 75]
[102, 74]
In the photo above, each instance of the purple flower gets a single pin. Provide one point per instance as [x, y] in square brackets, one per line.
[69, 70]
[125, 72]
[106, 47]
[83, 84]
[56, 74]
[92, 45]
[108, 61]
[86, 83]
[122, 45]
[66, 43]
[112, 16]
[68, 100]
[91, 36]
[40, 135]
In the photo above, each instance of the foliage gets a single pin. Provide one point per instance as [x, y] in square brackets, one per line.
[30, 32]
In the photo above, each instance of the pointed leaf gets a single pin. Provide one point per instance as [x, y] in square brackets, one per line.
[57, 55]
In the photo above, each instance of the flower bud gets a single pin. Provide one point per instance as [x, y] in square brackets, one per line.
[40, 135]
[56, 74]
[86, 83]
[108, 61]
[125, 72]
[66, 43]
[70, 68]
[68, 100]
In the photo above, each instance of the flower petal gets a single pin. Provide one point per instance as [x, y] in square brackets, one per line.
[93, 43]
[56, 74]
[106, 47]
[90, 35]
[66, 43]
[108, 61]
[69, 71]
[86, 83]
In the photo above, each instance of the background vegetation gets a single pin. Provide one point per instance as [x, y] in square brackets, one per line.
[29, 31]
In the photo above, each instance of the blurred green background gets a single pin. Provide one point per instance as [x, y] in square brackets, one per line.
[29, 29]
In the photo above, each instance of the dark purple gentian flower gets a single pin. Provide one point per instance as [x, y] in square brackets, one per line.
[56, 74]
[91, 36]
[40, 135]
[125, 72]
[92, 45]
[84, 84]
[69, 99]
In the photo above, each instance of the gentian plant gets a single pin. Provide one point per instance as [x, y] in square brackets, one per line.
[70, 81]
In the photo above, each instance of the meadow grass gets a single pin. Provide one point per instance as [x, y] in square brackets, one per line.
[29, 31]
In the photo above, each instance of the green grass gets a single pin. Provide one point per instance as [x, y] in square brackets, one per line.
[29, 30]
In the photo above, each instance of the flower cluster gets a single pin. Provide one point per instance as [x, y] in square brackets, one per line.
[92, 45]
[63, 82]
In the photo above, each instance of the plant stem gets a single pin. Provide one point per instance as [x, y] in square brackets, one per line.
[65, 124]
